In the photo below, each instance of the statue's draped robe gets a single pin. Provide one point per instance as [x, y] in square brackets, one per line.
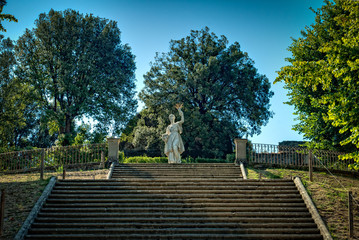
[174, 141]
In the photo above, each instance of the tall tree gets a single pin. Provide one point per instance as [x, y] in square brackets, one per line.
[11, 97]
[78, 67]
[223, 94]
[4, 16]
[323, 78]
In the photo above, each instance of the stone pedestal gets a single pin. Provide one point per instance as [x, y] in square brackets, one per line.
[113, 148]
[241, 150]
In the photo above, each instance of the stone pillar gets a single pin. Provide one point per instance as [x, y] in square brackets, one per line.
[113, 147]
[241, 150]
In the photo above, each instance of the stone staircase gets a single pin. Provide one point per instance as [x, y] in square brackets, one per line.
[177, 201]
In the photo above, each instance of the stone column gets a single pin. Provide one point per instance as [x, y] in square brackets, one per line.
[113, 147]
[241, 150]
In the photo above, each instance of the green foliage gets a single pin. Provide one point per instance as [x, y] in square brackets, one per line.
[59, 169]
[323, 78]
[223, 94]
[146, 135]
[77, 66]
[4, 16]
[205, 160]
[231, 157]
[145, 159]
[121, 156]
[13, 99]
[83, 135]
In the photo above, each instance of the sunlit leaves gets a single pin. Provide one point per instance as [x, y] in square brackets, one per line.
[323, 77]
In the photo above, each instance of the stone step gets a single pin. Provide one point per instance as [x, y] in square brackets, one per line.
[176, 219]
[173, 170]
[148, 176]
[173, 182]
[169, 187]
[172, 191]
[173, 209]
[179, 195]
[175, 236]
[197, 230]
[51, 199]
[174, 165]
[173, 224]
[159, 171]
[173, 204]
[175, 214]
[175, 174]
[182, 170]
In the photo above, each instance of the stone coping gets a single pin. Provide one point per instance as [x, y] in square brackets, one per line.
[35, 210]
[312, 209]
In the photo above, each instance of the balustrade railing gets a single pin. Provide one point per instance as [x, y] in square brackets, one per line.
[295, 156]
[52, 157]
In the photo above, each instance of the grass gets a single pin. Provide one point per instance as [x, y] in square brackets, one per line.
[23, 190]
[330, 195]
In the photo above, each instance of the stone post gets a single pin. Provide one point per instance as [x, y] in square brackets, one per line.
[241, 150]
[113, 148]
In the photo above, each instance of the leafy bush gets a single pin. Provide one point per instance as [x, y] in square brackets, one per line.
[121, 156]
[231, 157]
[144, 159]
[204, 160]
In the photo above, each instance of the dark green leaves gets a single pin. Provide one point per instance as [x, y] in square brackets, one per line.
[78, 67]
[223, 94]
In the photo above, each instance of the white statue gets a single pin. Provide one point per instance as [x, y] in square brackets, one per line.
[174, 146]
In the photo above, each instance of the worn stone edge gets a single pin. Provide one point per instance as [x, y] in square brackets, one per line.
[312, 209]
[243, 170]
[109, 175]
[35, 210]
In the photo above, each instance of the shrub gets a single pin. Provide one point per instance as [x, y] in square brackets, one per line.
[231, 157]
[144, 159]
[204, 160]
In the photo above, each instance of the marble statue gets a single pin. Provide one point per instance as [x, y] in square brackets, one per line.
[173, 142]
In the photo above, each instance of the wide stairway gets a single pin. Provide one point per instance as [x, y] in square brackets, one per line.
[174, 201]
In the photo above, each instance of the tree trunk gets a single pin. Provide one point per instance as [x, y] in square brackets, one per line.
[66, 130]
[68, 124]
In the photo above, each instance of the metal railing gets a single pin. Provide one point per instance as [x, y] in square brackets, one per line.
[22, 161]
[295, 156]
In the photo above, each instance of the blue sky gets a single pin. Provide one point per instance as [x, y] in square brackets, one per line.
[263, 28]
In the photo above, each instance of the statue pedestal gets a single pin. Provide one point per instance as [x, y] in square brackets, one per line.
[241, 150]
[113, 148]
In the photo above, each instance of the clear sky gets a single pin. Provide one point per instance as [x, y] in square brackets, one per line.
[263, 28]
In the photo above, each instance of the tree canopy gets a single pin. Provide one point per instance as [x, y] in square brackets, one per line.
[4, 16]
[322, 78]
[11, 106]
[223, 94]
[76, 66]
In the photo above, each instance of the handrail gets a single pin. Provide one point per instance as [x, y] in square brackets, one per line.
[295, 156]
[38, 159]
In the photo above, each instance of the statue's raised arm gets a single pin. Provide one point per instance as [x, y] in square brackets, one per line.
[179, 106]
